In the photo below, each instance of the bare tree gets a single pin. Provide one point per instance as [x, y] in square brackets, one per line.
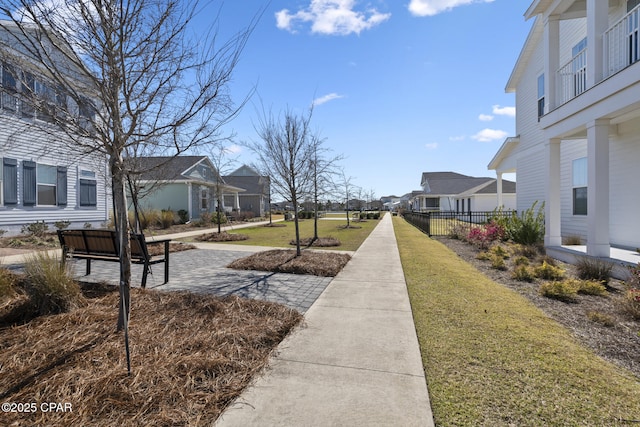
[348, 188]
[219, 156]
[285, 153]
[323, 168]
[131, 78]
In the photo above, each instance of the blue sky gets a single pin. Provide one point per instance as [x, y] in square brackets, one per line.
[399, 87]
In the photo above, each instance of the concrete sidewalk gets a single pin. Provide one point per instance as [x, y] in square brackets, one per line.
[356, 362]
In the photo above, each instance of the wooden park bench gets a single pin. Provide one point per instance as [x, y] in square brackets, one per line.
[102, 245]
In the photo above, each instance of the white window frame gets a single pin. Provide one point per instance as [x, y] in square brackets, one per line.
[46, 184]
[579, 180]
[540, 98]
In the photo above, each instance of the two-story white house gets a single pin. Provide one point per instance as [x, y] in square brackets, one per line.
[43, 176]
[577, 148]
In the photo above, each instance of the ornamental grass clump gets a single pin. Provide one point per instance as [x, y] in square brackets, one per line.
[589, 268]
[630, 303]
[50, 285]
[8, 281]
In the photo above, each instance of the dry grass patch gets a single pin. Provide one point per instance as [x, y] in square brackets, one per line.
[191, 356]
[326, 264]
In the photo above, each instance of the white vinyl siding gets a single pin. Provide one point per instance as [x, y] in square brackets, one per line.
[571, 225]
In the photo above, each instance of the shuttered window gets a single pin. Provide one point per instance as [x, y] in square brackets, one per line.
[10, 181]
[28, 183]
[61, 185]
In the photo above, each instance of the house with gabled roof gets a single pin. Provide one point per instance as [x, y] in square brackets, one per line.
[454, 192]
[577, 142]
[187, 183]
[256, 194]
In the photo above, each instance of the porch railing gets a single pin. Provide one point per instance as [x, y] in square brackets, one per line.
[443, 223]
[572, 78]
[621, 44]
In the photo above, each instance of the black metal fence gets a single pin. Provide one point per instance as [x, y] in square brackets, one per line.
[439, 223]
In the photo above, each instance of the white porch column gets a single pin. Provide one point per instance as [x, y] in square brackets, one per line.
[552, 236]
[551, 60]
[598, 188]
[236, 201]
[499, 188]
[190, 200]
[597, 23]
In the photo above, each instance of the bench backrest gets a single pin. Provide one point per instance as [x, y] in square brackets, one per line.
[100, 242]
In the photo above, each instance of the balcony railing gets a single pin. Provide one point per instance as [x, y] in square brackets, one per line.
[572, 78]
[621, 47]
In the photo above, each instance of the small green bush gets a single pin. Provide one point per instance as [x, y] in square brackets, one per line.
[483, 256]
[521, 260]
[459, 231]
[526, 229]
[547, 271]
[61, 225]
[523, 273]
[7, 283]
[630, 303]
[592, 287]
[497, 262]
[183, 216]
[500, 251]
[601, 318]
[38, 229]
[589, 268]
[565, 290]
[50, 286]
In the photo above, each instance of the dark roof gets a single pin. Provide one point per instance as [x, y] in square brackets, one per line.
[252, 184]
[164, 168]
[507, 187]
[450, 182]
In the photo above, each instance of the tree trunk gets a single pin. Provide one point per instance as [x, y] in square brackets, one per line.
[295, 212]
[122, 231]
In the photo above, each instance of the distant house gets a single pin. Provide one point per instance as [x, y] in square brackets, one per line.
[42, 177]
[255, 197]
[577, 143]
[187, 183]
[454, 192]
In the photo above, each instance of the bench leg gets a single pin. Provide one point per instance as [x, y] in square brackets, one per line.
[166, 262]
[145, 272]
[88, 269]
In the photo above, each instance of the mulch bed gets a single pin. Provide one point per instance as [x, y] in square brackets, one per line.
[619, 343]
[325, 264]
[320, 242]
[191, 356]
[221, 237]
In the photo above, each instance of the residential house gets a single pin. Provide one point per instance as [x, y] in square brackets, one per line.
[42, 176]
[181, 183]
[255, 197]
[577, 149]
[454, 192]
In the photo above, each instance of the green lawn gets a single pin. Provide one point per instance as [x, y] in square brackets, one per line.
[350, 238]
[492, 358]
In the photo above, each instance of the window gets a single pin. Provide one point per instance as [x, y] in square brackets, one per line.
[633, 27]
[432, 203]
[9, 88]
[88, 188]
[47, 180]
[43, 185]
[540, 95]
[28, 90]
[632, 4]
[204, 199]
[580, 178]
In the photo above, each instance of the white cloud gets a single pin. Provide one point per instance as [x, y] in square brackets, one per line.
[333, 17]
[485, 117]
[233, 149]
[504, 111]
[488, 135]
[433, 7]
[456, 138]
[431, 146]
[326, 98]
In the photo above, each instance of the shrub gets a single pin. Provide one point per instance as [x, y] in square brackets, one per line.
[166, 218]
[459, 231]
[630, 303]
[592, 287]
[572, 240]
[483, 256]
[634, 277]
[497, 262]
[523, 273]
[61, 225]
[49, 284]
[526, 229]
[589, 268]
[485, 235]
[183, 216]
[565, 290]
[500, 251]
[7, 283]
[547, 271]
[87, 225]
[37, 229]
[521, 260]
[219, 218]
[529, 251]
[600, 318]
[2, 232]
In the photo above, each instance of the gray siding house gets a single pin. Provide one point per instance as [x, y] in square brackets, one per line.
[42, 176]
[255, 198]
